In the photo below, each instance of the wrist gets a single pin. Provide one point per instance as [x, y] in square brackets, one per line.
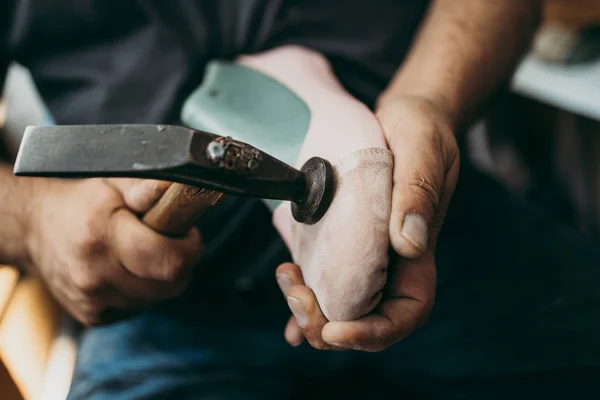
[28, 192]
[34, 193]
[409, 85]
[425, 107]
[15, 196]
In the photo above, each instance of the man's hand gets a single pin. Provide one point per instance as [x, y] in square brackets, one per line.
[426, 165]
[464, 52]
[98, 259]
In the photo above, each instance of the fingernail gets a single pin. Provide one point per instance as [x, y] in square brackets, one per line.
[298, 311]
[415, 231]
[285, 282]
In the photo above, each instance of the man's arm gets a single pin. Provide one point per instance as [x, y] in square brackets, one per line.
[85, 241]
[464, 52]
[14, 194]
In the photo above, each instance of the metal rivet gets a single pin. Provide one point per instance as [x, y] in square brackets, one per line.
[215, 151]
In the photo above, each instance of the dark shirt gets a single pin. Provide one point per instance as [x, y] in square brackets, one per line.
[135, 61]
[115, 61]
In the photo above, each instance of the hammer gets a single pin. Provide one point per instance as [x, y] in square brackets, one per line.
[202, 165]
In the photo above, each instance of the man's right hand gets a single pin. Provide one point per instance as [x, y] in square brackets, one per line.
[85, 239]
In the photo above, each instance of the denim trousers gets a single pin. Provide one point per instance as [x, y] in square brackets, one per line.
[517, 315]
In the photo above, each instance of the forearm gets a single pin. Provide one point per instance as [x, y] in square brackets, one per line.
[14, 196]
[466, 50]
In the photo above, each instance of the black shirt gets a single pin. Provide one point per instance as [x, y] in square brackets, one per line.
[115, 61]
[135, 61]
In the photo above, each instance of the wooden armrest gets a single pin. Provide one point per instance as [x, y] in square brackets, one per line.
[27, 331]
[8, 282]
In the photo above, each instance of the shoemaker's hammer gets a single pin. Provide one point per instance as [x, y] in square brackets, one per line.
[203, 167]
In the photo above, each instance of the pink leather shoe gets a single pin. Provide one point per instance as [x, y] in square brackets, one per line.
[343, 257]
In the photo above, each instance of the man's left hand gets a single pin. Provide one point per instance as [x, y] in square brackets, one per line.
[426, 165]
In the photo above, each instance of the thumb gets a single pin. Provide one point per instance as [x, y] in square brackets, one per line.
[425, 173]
[139, 195]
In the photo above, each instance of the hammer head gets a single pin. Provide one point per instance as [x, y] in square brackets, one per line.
[173, 153]
[64, 151]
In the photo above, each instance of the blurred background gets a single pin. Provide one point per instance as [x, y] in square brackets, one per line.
[542, 139]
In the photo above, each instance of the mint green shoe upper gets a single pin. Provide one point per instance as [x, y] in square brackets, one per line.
[237, 101]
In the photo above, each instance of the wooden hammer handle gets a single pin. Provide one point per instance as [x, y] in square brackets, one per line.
[179, 208]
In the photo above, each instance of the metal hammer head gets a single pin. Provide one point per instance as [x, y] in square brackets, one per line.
[177, 154]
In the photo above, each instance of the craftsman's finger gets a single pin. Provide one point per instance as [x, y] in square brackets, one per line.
[376, 332]
[293, 334]
[143, 292]
[94, 310]
[424, 152]
[149, 255]
[409, 299]
[139, 194]
[308, 315]
[413, 279]
[418, 182]
[288, 275]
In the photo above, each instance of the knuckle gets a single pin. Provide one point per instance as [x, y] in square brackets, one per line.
[87, 283]
[173, 268]
[421, 187]
[90, 240]
[91, 314]
[318, 345]
[91, 235]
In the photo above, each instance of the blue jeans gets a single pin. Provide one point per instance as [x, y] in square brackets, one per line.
[517, 315]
